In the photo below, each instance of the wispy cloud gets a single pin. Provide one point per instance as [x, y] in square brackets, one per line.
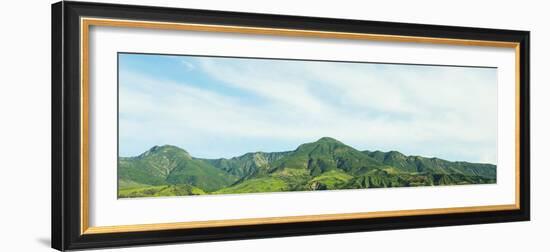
[275, 105]
[187, 66]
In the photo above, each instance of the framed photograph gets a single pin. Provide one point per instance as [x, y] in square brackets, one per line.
[183, 125]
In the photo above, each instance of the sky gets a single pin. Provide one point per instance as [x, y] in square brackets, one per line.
[217, 107]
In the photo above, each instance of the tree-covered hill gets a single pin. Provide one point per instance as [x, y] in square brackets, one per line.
[326, 164]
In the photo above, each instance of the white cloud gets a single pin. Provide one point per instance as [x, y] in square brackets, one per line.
[187, 66]
[447, 112]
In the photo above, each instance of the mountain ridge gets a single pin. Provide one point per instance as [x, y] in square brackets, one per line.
[321, 165]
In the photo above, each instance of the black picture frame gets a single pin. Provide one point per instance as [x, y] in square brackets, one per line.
[66, 140]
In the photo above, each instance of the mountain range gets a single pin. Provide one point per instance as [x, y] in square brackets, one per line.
[326, 164]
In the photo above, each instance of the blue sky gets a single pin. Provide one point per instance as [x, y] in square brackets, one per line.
[223, 107]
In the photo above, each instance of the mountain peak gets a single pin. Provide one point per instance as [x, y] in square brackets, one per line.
[165, 149]
[327, 140]
[396, 154]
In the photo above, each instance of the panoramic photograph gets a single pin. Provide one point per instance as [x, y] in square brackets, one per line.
[210, 125]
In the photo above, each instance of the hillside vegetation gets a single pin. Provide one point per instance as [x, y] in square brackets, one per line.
[326, 164]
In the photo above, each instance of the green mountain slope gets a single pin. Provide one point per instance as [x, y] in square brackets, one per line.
[265, 184]
[160, 191]
[432, 165]
[326, 164]
[247, 164]
[170, 165]
[327, 154]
